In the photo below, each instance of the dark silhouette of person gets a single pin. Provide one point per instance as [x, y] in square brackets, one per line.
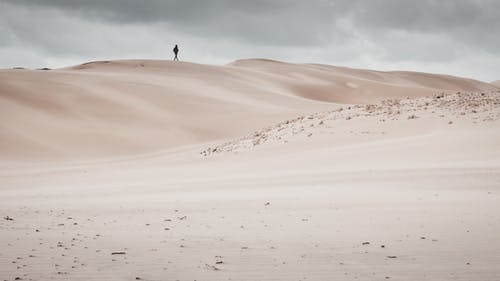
[176, 51]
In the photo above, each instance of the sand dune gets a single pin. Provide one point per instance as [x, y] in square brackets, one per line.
[496, 83]
[258, 170]
[119, 108]
[347, 85]
[421, 115]
[122, 108]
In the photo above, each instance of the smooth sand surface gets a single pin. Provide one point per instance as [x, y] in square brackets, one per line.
[258, 170]
[110, 109]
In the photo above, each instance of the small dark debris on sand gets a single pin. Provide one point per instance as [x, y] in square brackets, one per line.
[118, 253]
[365, 243]
[7, 218]
[392, 257]
[212, 267]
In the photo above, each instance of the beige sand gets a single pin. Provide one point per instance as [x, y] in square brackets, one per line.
[110, 109]
[258, 170]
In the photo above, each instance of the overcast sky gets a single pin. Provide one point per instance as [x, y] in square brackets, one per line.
[459, 37]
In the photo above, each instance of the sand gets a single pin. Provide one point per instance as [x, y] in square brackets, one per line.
[111, 109]
[257, 170]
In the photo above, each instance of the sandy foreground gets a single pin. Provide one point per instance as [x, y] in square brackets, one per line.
[257, 170]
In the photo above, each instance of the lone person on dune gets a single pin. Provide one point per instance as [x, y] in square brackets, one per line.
[176, 51]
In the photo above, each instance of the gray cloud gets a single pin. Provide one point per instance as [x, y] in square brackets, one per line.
[467, 22]
[452, 36]
[278, 22]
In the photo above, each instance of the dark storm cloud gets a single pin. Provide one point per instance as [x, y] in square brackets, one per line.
[285, 22]
[433, 35]
[269, 22]
[153, 10]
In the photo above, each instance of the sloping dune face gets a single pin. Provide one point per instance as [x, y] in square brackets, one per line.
[121, 108]
[347, 85]
[496, 83]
